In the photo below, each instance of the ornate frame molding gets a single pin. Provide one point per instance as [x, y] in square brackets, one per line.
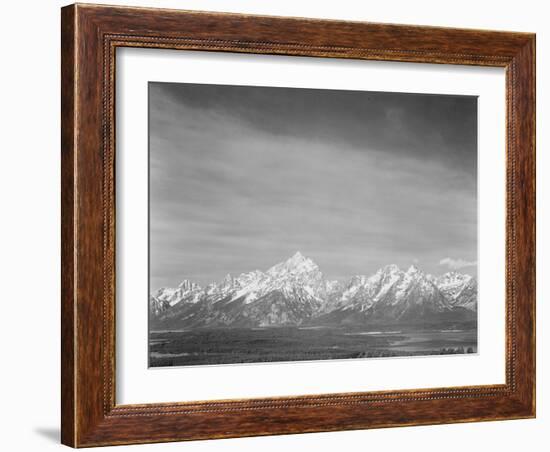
[90, 37]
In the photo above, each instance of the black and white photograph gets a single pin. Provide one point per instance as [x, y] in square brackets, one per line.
[275, 226]
[294, 224]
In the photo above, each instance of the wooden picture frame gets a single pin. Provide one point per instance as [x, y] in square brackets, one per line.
[90, 35]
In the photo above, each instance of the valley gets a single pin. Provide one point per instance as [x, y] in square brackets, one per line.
[292, 312]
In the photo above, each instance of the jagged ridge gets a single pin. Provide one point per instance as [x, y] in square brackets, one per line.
[295, 292]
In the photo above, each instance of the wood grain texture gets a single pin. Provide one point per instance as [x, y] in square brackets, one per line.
[90, 36]
[67, 225]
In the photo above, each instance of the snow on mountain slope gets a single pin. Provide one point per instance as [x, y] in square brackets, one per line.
[295, 292]
[187, 291]
[459, 289]
[392, 295]
[157, 306]
[467, 297]
[297, 273]
[451, 283]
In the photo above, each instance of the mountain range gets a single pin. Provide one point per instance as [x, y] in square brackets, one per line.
[295, 292]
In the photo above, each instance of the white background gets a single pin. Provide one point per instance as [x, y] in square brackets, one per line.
[137, 384]
[29, 179]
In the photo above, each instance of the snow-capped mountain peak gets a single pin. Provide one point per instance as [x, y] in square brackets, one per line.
[298, 257]
[295, 291]
[390, 269]
[451, 283]
[187, 291]
[452, 278]
[188, 285]
[298, 276]
[298, 263]
[459, 289]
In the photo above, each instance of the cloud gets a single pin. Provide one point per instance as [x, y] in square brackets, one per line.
[455, 264]
[243, 177]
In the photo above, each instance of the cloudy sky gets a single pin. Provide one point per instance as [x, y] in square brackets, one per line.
[243, 177]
